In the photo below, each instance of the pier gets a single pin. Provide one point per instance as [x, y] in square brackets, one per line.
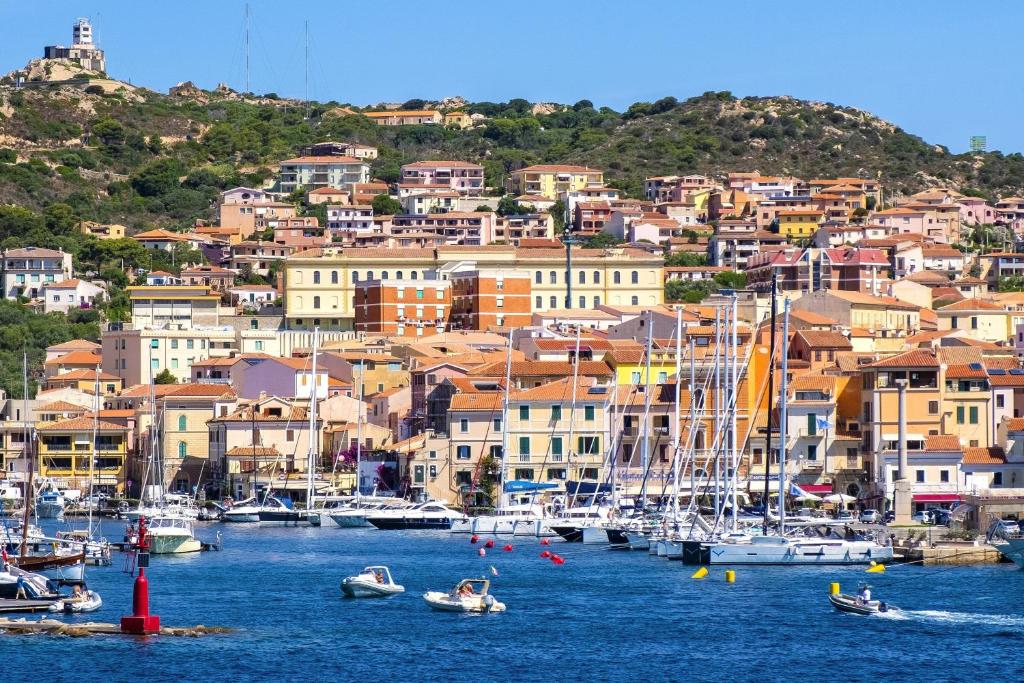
[62, 628]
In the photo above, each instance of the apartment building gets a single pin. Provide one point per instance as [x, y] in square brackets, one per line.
[65, 452]
[409, 308]
[247, 218]
[310, 173]
[553, 180]
[485, 299]
[350, 218]
[461, 176]
[514, 228]
[472, 228]
[331, 148]
[27, 272]
[405, 117]
[258, 256]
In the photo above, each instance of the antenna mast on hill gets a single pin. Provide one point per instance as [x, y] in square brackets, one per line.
[247, 89]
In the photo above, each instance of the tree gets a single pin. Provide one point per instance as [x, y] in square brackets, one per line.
[507, 206]
[557, 212]
[108, 131]
[385, 205]
[602, 240]
[686, 259]
[165, 377]
[731, 279]
[158, 177]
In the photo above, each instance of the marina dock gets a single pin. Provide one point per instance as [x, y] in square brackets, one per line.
[54, 627]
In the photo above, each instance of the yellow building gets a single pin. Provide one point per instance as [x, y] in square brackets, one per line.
[553, 180]
[102, 231]
[66, 448]
[799, 223]
[320, 283]
[85, 380]
[185, 436]
[458, 119]
[979, 319]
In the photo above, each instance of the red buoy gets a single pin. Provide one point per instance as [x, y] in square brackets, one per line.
[560, 561]
[545, 554]
[545, 541]
[489, 544]
[507, 548]
[474, 538]
[141, 622]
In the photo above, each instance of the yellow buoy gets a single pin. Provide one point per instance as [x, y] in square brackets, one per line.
[700, 573]
[730, 576]
[875, 568]
[833, 588]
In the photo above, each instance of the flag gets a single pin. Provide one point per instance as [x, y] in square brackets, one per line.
[823, 423]
[494, 571]
[3, 554]
[796, 491]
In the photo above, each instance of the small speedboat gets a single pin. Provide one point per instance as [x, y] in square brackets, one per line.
[86, 601]
[853, 605]
[372, 582]
[469, 595]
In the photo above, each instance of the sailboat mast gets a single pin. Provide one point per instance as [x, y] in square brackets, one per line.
[726, 394]
[359, 426]
[783, 416]
[717, 422]
[95, 445]
[735, 407]
[676, 427]
[771, 398]
[504, 418]
[26, 431]
[312, 451]
[693, 426]
[645, 445]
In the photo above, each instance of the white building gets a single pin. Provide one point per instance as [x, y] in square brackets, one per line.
[60, 297]
[310, 173]
[26, 272]
[349, 218]
[82, 50]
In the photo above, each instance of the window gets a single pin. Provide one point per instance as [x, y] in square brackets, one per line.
[588, 413]
[440, 293]
[959, 415]
[334, 277]
[952, 322]
[259, 346]
[999, 401]
[634, 277]
[182, 449]
[524, 448]
[538, 277]
[432, 455]
[933, 407]
[289, 435]
[497, 424]
[539, 302]
[174, 343]
[524, 412]
[583, 302]
[556, 447]
[254, 324]
[554, 302]
[635, 301]
[433, 471]
[316, 302]
[182, 423]
[662, 377]
[920, 476]
[174, 364]
[634, 378]
[369, 275]
[597, 277]
[419, 293]
[154, 344]
[553, 278]
[526, 473]
[355, 276]
[583, 278]
[316, 277]
[556, 413]
[812, 452]
[462, 452]
[997, 478]
[463, 425]
[500, 302]
[616, 278]
[398, 275]
[974, 322]
[588, 445]
[944, 476]
[973, 414]
[597, 301]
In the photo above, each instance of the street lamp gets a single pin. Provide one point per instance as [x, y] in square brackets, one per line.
[569, 240]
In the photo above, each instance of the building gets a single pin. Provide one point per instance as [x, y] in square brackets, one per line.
[340, 149]
[83, 50]
[799, 223]
[887, 315]
[471, 228]
[63, 296]
[310, 173]
[320, 284]
[184, 411]
[65, 453]
[27, 272]
[103, 231]
[259, 256]
[256, 374]
[409, 308]
[458, 119]
[461, 176]
[300, 232]
[550, 181]
[411, 117]
[349, 218]
[247, 218]
[216, 278]
[979, 319]
[482, 299]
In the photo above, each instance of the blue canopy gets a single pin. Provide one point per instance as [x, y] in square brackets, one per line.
[525, 485]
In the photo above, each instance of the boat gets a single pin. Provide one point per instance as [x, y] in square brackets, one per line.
[243, 512]
[469, 595]
[853, 605]
[86, 601]
[428, 515]
[37, 586]
[97, 551]
[525, 519]
[372, 582]
[278, 512]
[774, 549]
[171, 535]
[49, 502]
[571, 523]
[66, 567]
[354, 515]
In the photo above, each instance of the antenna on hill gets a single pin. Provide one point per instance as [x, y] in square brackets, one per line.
[247, 89]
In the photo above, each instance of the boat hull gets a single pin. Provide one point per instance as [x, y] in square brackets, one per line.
[279, 518]
[443, 602]
[247, 517]
[570, 533]
[807, 553]
[350, 521]
[850, 604]
[48, 510]
[173, 545]
[354, 587]
[398, 523]
[594, 535]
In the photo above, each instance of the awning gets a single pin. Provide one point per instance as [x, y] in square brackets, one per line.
[936, 498]
[816, 488]
[525, 485]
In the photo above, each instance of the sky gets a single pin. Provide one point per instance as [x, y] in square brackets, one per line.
[941, 69]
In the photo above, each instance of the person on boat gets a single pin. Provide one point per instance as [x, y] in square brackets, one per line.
[21, 594]
[864, 594]
[466, 590]
[379, 576]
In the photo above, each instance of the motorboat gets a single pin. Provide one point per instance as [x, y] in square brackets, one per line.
[11, 534]
[243, 512]
[97, 551]
[37, 586]
[177, 504]
[279, 512]
[372, 582]
[64, 565]
[525, 519]
[774, 549]
[428, 515]
[353, 515]
[86, 601]
[49, 502]
[570, 524]
[855, 605]
[469, 595]
[171, 535]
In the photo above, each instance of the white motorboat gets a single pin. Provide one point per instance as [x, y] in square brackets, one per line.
[171, 535]
[469, 595]
[243, 512]
[354, 514]
[372, 582]
[800, 550]
[86, 601]
[97, 551]
[570, 524]
[855, 605]
[49, 502]
[175, 504]
[525, 519]
[429, 515]
[37, 586]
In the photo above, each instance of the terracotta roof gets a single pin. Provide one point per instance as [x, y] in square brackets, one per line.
[77, 358]
[545, 368]
[488, 401]
[33, 252]
[1006, 380]
[73, 345]
[973, 305]
[442, 164]
[76, 424]
[242, 451]
[925, 277]
[81, 374]
[965, 372]
[916, 358]
[558, 168]
[65, 284]
[869, 299]
[941, 442]
[113, 413]
[185, 390]
[323, 160]
[825, 339]
[160, 234]
[562, 390]
[992, 455]
[61, 407]
[823, 383]
[811, 318]
[1015, 424]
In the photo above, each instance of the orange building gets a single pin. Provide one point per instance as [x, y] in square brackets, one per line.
[403, 307]
[482, 299]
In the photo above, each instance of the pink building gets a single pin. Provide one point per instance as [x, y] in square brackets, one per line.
[463, 177]
[975, 211]
[472, 228]
[300, 232]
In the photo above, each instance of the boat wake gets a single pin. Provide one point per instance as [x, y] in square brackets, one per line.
[945, 617]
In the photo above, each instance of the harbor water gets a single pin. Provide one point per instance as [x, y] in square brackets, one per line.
[602, 616]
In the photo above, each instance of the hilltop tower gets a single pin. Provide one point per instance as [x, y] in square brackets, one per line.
[82, 51]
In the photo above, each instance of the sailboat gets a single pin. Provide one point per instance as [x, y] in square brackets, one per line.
[780, 548]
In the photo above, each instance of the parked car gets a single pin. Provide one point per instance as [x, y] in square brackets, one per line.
[844, 516]
[889, 516]
[1008, 527]
[870, 517]
[940, 517]
[923, 517]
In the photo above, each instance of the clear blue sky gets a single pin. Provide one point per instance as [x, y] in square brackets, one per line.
[942, 69]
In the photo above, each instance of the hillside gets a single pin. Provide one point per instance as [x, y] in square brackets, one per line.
[137, 157]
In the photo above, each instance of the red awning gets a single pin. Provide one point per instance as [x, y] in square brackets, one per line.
[816, 488]
[936, 498]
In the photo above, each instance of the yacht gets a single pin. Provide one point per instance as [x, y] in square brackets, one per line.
[244, 511]
[278, 512]
[354, 515]
[806, 550]
[571, 523]
[49, 502]
[175, 504]
[429, 515]
[526, 519]
[171, 534]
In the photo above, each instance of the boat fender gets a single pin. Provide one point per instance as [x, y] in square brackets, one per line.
[545, 554]
[507, 548]
[490, 543]
[481, 552]
[474, 538]
[545, 541]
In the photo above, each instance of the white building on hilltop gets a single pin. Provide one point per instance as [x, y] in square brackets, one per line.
[82, 51]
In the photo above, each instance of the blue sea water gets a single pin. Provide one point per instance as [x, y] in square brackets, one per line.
[602, 616]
